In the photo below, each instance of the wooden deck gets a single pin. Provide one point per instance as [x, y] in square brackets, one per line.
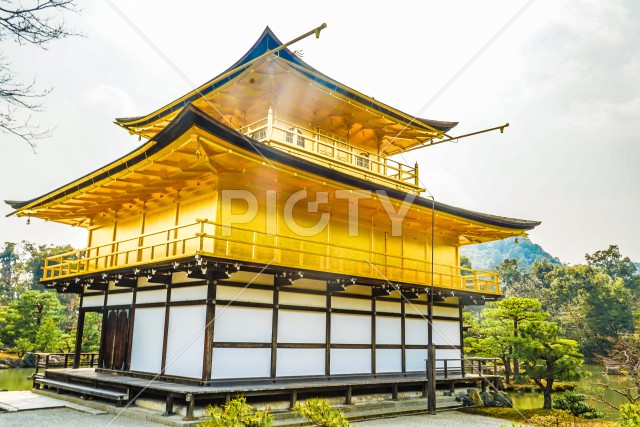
[220, 392]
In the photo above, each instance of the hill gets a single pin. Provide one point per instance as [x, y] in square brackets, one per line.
[487, 255]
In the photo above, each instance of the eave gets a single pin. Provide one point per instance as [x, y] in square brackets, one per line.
[483, 227]
[268, 41]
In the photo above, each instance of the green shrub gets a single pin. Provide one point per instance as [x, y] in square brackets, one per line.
[236, 413]
[629, 415]
[320, 413]
[574, 403]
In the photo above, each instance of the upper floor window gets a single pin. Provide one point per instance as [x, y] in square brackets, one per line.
[260, 135]
[362, 160]
[298, 134]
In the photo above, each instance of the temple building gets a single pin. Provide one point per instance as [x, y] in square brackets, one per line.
[266, 237]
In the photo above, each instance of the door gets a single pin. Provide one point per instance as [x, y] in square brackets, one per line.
[115, 340]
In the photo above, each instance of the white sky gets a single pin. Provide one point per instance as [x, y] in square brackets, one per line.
[565, 75]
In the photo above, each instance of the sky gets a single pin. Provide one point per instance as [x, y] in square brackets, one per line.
[565, 75]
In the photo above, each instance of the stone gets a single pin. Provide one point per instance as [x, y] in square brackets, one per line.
[487, 399]
[474, 394]
[501, 400]
[29, 360]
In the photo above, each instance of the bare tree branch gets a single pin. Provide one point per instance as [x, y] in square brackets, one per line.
[35, 22]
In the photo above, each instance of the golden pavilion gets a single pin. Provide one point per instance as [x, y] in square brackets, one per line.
[267, 238]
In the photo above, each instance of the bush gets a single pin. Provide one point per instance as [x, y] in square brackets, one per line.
[629, 415]
[574, 403]
[320, 413]
[236, 413]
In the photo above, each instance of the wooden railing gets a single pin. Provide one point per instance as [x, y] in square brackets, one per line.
[63, 360]
[210, 238]
[468, 367]
[322, 146]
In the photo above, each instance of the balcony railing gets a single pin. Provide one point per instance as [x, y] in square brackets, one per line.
[212, 239]
[324, 147]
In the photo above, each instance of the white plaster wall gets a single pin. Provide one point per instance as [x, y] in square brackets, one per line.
[233, 293]
[301, 327]
[388, 307]
[242, 324]
[416, 332]
[388, 330]
[304, 300]
[297, 362]
[351, 303]
[446, 311]
[120, 299]
[93, 301]
[189, 293]
[446, 332]
[241, 363]
[388, 360]
[145, 297]
[185, 341]
[350, 329]
[148, 334]
[416, 359]
[350, 361]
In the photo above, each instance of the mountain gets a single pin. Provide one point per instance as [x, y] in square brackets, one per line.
[485, 256]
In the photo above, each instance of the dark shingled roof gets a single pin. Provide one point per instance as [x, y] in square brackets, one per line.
[192, 116]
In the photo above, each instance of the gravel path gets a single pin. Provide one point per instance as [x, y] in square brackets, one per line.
[66, 417]
[441, 419]
[71, 418]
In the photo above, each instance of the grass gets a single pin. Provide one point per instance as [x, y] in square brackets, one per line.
[514, 416]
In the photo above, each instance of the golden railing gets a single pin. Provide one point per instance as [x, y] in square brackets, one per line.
[209, 238]
[323, 146]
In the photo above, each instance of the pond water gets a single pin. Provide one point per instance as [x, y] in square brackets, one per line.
[586, 386]
[15, 379]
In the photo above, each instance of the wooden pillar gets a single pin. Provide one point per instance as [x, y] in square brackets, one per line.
[461, 343]
[373, 333]
[431, 359]
[208, 330]
[327, 354]
[79, 333]
[403, 345]
[166, 330]
[132, 316]
[103, 329]
[431, 378]
[274, 331]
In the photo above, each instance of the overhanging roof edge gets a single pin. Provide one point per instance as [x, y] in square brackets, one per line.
[192, 116]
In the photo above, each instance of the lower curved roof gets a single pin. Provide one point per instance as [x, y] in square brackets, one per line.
[192, 116]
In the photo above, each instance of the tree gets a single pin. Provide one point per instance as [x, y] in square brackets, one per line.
[33, 22]
[27, 313]
[48, 336]
[510, 271]
[625, 358]
[22, 346]
[8, 259]
[575, 404]
[611, 262]
[515, 312]
[547, 357]
[490, 338]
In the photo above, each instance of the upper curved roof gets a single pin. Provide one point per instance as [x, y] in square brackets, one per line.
[266, 42]
[192, 116]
